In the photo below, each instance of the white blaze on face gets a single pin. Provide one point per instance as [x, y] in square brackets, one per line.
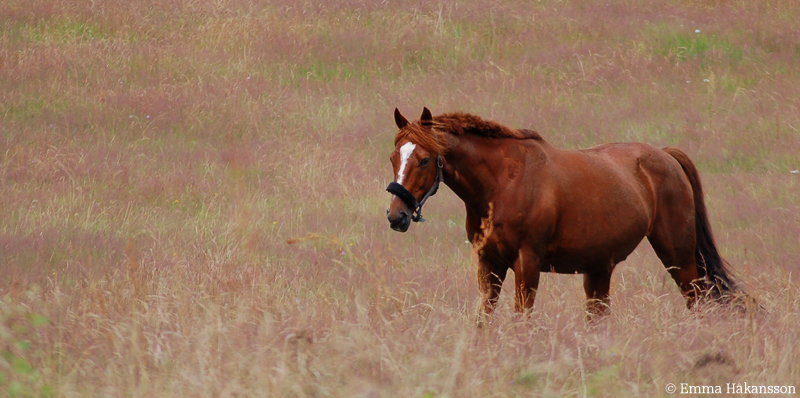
[405, 152]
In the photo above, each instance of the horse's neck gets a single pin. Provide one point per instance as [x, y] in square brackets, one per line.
[478, 169]
[473, 165]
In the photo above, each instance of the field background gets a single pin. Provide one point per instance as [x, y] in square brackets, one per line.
[156, 156]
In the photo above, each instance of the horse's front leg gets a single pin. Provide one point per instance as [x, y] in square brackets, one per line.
[490, 281]
[527, 268]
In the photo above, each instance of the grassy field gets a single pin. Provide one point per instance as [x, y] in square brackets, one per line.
[156, 157]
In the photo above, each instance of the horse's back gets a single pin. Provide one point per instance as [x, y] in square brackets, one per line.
[649, 168]
[629, 155]
[644, 165]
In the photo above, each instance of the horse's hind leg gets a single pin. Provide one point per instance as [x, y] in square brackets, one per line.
[674, 243]
[597, 285]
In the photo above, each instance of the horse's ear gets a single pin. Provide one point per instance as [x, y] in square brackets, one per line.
[399, 119]
[426, 119]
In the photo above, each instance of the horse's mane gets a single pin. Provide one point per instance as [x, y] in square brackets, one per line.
[458, 123]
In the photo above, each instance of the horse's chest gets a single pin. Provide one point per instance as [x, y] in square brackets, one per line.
[493, 251]
[492, 244]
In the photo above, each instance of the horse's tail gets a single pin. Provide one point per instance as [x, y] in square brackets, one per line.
[710, 265]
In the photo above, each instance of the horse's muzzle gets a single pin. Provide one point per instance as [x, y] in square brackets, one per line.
[399, 223]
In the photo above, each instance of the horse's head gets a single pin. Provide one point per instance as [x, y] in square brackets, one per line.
[417, 163]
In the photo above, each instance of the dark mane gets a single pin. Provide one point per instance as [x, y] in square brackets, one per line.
[458, 123]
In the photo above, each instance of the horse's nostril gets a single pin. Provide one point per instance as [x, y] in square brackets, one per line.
[399, 221]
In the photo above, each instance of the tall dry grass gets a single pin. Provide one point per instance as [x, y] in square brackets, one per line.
[155, 157]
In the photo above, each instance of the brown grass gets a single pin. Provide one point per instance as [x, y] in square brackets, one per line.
[155, 157]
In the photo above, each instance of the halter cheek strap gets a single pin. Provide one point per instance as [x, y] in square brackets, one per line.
[409, 199]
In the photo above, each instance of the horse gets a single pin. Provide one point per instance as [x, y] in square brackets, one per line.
[533, 208]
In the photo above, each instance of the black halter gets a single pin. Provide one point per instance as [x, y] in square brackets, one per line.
[409, 199]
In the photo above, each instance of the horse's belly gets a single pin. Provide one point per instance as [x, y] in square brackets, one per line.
[588, 241]
[575, 266]
[591, 258]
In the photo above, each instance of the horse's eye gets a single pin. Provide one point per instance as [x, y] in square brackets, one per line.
[424, 162]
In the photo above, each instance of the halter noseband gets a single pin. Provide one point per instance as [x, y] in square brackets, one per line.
[409, 199]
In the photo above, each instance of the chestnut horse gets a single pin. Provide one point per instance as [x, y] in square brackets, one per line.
[535, 208]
